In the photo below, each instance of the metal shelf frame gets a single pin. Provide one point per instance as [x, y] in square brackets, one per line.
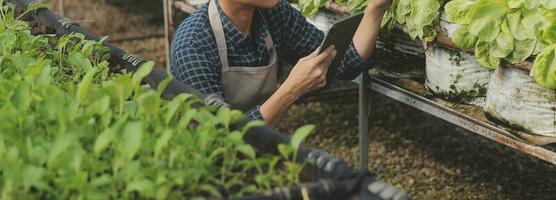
[377, 85]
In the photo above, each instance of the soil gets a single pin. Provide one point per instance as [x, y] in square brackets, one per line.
[423, 155]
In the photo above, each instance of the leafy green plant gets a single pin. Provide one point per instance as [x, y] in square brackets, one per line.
[500, 29]
[69, 129]
[417, 17]
[544, 68]
[311, 7]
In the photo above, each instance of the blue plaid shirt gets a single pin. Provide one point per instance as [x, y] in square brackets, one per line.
[195, 60]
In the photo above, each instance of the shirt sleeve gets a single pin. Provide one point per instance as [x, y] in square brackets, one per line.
[302, 38]
[191, 67]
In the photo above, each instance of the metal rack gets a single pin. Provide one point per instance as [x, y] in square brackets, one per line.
[486, 129]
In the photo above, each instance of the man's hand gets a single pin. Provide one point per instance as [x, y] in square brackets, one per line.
[309, 74]
[380, 5]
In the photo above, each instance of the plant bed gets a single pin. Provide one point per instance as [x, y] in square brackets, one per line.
[84, 127]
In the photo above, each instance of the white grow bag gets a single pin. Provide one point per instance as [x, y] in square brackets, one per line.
[323, 20]
[456, 76]
[515, 100]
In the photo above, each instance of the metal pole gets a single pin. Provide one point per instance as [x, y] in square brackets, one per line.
[61, 7]
[364, 121]
[167, 33]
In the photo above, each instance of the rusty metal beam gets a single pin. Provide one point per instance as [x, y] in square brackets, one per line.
[474, 125]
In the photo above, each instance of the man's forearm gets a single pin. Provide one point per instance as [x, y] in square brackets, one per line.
[366, 35]
[276, 107]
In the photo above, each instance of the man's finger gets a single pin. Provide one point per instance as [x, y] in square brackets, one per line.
[326, 54]
[329, 60]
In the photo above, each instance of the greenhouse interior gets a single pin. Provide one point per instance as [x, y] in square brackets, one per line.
[278, 99]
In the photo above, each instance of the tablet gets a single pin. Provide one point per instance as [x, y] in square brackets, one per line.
[340, 35]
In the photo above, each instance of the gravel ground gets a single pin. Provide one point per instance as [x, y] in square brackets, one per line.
[427, 157]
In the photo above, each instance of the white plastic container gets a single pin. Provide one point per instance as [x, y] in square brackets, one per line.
[515, 100]
[323, 20]
[456, 76]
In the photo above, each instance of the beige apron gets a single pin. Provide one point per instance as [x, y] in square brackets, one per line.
[244, 87]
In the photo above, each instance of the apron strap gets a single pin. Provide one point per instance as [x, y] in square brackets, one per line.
[218, 30]
[269, 43]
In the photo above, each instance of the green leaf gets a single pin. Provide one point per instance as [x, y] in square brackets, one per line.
[504, 43]
[33, 177]
[144, 187]
[516, 26]
[423, 14]
[533, 22]
[463, 39]
[163, 84]
[402, 10]
[235, 137]
[162, 142]
[486, 19]
[523, 49]
[144, 70]
[300, 135]
[132, 137]
[103, 140]
[485, 29]
[211, 190]
[79, 61]
[530, 4]
[549, 33]
[285, 150]
[544, 68]
[60, 145]
[548, 4]
[516, 3]
[458, 11]
[99, 106]
[224, 116]
[247, 150]
[484, 58]
[84, 87]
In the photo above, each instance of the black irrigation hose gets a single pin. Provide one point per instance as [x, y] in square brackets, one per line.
[333, 190]
[344, 180]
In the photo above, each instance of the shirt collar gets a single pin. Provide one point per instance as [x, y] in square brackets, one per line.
[232, 34]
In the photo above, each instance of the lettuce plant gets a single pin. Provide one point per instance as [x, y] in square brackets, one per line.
[311, 7]
[416, 16]
[544, 68]
[499, 29]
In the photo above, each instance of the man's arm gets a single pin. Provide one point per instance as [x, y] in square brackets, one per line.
[301, 38]
[366, 35]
